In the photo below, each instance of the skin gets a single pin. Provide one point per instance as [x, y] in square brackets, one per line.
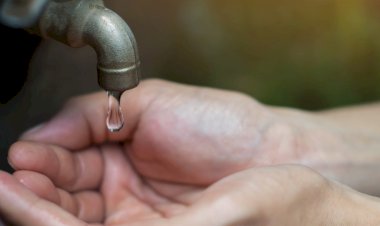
[186, 155]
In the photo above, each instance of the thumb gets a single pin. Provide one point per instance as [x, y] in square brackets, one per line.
[82, 121]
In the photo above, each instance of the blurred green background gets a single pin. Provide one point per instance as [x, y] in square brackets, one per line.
[308, 54]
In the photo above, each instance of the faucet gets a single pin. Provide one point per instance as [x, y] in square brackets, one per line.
[77, 23]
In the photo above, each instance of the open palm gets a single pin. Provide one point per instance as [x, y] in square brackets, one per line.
[99, 184]
[112, 193]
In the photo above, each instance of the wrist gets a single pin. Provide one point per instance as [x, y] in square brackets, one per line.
[349, 156]
[336, 151]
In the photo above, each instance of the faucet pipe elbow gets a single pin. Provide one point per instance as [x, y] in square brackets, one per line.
[87, 22]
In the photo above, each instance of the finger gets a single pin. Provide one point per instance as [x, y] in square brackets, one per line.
[122, 190]
[87, 206]
[70, 171]
[41, 185]
[24, 208]
[82, 120]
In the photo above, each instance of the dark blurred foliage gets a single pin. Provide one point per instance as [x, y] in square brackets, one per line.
[17, 47]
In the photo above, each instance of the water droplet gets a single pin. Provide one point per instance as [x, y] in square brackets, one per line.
[115, 119]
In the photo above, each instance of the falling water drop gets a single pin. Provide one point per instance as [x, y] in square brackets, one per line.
[115, 119]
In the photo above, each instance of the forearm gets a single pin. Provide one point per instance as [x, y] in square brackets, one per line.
[338, 145]
[363, 118]
[359, 129]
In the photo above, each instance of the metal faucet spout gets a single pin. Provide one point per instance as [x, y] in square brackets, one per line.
[88, 22]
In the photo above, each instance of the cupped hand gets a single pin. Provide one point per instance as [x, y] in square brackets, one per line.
[285, 195]
[187, 134]
[63, 195]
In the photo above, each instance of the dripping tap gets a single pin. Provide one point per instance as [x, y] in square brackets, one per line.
[77, 23]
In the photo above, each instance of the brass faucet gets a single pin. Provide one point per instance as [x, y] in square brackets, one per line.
[78, 23]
